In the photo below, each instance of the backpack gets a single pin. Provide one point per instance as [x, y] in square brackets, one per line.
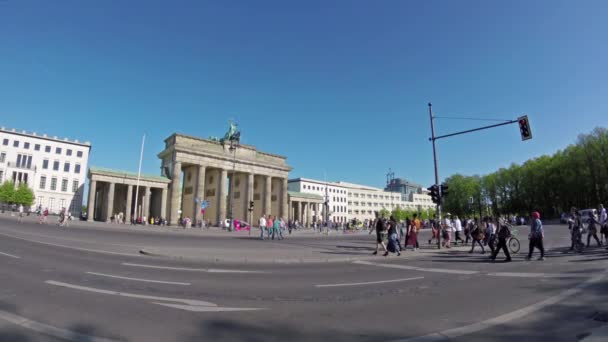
[505, 232]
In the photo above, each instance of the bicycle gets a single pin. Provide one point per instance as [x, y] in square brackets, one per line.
[513, 241]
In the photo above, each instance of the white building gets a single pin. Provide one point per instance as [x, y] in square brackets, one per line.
[349, 201]
[55, 169]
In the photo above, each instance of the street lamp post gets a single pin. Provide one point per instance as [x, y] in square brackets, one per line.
[233, 146]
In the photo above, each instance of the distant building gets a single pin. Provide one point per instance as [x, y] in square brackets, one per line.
[347, 201]
[404, 187]
[55, 169]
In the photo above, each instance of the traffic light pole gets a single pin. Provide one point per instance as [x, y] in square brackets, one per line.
[438, 213]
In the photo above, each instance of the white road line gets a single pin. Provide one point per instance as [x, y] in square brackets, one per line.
[70, 247]
[183, 304]
[449, 334]
[208, 270]
[413, 268]
[139, 279]
[370, 282]
[49, 330]
[538, 275]
[10, 255]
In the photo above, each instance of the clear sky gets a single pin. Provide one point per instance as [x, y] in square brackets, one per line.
[339, 87]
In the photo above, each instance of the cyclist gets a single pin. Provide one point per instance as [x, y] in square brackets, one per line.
[536, 236]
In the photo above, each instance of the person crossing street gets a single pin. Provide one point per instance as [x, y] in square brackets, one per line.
[537, 235]
[503, 234]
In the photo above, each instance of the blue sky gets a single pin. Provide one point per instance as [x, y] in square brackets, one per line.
[339, 87]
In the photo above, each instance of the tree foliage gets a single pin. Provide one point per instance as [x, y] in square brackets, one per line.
[23, 195]
[576, 176]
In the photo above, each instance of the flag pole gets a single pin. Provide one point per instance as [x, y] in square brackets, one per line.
[141, 155]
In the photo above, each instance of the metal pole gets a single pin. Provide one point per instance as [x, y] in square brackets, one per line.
[233, 148]
[141, 155]
[438, 213]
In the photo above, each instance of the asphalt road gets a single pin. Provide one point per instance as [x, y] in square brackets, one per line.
[91, 284]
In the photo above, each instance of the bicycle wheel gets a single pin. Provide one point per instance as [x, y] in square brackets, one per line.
[514, 245]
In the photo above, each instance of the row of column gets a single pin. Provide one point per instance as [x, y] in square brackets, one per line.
[303, 211]
[109, 203]
[175, 186]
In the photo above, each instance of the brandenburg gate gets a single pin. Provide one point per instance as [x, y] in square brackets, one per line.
[224, 177]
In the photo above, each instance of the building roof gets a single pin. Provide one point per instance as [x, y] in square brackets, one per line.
[127, 174]
[304, 195]
[45, 137]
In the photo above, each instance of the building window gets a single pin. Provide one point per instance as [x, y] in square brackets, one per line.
[57, 150]
[5, 142]
[26, 145]
[45, 164]
[53, 184]
[51, 204]
[56, 165]
[66, 167]
[40, 200]
[2, 157]
[16, 143]
[79, 154]
[64, 185]
[47, 149]
[75, 186]
[77, 168]
[68, 153]
[42, 182]
[37, 147]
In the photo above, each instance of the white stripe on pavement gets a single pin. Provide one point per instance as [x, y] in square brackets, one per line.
[538, 275]
[370, 282]
[449, 334]
[413, 268]
[209, 270]
[139, 279]
[184, 304]
[42, 328]
[10, 255]
[70, 247]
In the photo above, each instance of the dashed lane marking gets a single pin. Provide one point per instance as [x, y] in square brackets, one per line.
[538, 275]
[413, 268]
[139, 279]
[10, 255]
[370, 282]
[187, 269]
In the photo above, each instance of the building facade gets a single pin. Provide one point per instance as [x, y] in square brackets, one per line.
[404, 187]
[347, 201]
[55, 169]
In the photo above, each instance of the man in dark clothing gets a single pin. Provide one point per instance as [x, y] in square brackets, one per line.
[380, 227]
[503, 234]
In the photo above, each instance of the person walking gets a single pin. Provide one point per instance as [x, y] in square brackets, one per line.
[20, 217]
[276, 229]
[393, 242]
[537, 235]
[435, 231]
[416, 227]
[503, 234]
[592, 231]
[490, 234]
[477, 236]
[603, 223]
[447, 232]
[262, 225]
[458, 230]
[378, 224]
[467, 230]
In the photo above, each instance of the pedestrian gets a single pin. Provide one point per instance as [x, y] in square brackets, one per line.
[503, 234]
[20, 217]
[603, 223]
[592, 230]
[393, 242]
[490, 234]
[416, 227]
[537, 235]
[458, 230]
[447, 231]
[269, 225]
[62, 218]
[477, 236]
[276, 229]
[262, 225]
[378, 224]
[435, 230]
[467, 230]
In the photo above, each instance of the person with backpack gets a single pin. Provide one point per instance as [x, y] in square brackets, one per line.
[378, 224]
[503, 235]
[592, 231]
[537, 235]
[393, 242]
[477, 236]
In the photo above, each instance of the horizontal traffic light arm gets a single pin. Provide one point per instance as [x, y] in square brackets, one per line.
[475, 129]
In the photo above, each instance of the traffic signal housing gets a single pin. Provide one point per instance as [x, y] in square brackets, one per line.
[251, 205]
[524, 128]
[434, 189]
[444, 190]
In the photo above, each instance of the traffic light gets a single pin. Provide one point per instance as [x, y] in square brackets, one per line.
[444, 190]
[524, 128]
[434, 189]
[251, 205]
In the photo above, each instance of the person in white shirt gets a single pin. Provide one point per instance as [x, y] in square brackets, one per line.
[490, 234]
[20, 218]
[603, 223]
[458, 230]
[448, 228]
[262, 224]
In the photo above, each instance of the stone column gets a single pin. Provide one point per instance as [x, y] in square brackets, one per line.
[110, 203]
[128, 209]
[147, 203]
[250, 180]
[163, 204]
[284, 199]
[309, 214]
[200, 192]
[91, 202]
[267, 194]
[174, 201]
[221, 213]
[299, 217]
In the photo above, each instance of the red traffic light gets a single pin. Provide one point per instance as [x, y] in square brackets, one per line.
[524, 128]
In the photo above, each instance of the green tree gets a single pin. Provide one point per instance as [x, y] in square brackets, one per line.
[384, 213]
[7, 192]
[24, 196]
